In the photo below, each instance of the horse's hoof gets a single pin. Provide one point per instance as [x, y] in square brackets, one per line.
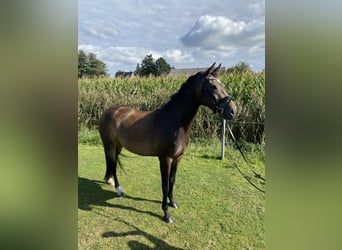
[119, 192]
[173, 204]
[168, 219]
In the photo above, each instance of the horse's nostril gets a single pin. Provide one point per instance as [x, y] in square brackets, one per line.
[232, 112]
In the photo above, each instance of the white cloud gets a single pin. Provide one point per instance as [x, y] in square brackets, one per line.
[177, 56]
[220, 33]
[119, 55]
[88, 48]
[97, 30]
[122, 33]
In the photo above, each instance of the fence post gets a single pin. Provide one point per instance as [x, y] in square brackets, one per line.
[223, 137]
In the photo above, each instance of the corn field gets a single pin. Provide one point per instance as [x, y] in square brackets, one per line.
[247, 89]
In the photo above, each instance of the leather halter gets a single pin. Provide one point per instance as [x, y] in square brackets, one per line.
[219, 102]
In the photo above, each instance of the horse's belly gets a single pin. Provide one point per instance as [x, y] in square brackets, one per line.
[135, 131]
[140, 145]
[142, 151]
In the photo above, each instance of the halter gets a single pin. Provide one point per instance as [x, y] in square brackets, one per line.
[217, 103]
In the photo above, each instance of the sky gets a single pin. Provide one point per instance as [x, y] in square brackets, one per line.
[186, 33]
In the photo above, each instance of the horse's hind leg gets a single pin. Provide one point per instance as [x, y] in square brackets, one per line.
[110, 165]
[112, 154]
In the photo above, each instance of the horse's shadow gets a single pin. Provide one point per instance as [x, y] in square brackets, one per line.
[133, 244]
[90, 193]
[210, 157]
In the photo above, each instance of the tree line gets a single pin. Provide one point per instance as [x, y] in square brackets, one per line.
[91, 67]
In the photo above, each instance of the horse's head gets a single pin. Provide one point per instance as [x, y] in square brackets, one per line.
[213, 94]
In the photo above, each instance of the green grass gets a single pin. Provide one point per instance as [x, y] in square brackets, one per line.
[218, 209]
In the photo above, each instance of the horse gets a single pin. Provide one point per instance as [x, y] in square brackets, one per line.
[163, 132]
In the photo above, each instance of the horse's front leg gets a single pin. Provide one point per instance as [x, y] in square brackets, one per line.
[172, 180]
[165, 165]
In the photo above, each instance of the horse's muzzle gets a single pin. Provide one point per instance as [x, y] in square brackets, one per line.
[225, 108]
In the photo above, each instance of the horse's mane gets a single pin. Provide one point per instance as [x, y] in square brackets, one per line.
[180, 93]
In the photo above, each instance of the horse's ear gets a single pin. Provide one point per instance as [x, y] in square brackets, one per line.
[216, 71]
[209, 70]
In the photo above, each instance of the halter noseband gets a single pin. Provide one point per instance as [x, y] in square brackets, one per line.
[218, 104]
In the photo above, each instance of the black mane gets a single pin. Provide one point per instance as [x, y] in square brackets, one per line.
[176, 97]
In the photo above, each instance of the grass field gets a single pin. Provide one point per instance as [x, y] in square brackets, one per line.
[218, 209]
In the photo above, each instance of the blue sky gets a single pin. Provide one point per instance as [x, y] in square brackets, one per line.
[190, 33]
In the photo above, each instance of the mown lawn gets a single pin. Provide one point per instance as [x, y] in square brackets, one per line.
[218, 209]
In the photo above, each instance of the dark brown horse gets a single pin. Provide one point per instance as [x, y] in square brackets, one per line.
[163, 132]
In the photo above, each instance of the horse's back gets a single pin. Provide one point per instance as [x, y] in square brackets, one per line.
[132, 128]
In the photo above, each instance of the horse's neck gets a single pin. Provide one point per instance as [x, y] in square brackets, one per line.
[185, 108]
[187, 115]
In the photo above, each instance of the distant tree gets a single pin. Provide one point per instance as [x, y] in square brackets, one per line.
[82, 64]
[90, 66]
[239, 68]
[138, 70]
[149, 66]
[96, 68]
[162, 66]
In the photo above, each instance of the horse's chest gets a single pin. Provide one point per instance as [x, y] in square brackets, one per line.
[179, 142]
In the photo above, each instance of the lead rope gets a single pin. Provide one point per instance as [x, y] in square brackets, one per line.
[256, 175]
